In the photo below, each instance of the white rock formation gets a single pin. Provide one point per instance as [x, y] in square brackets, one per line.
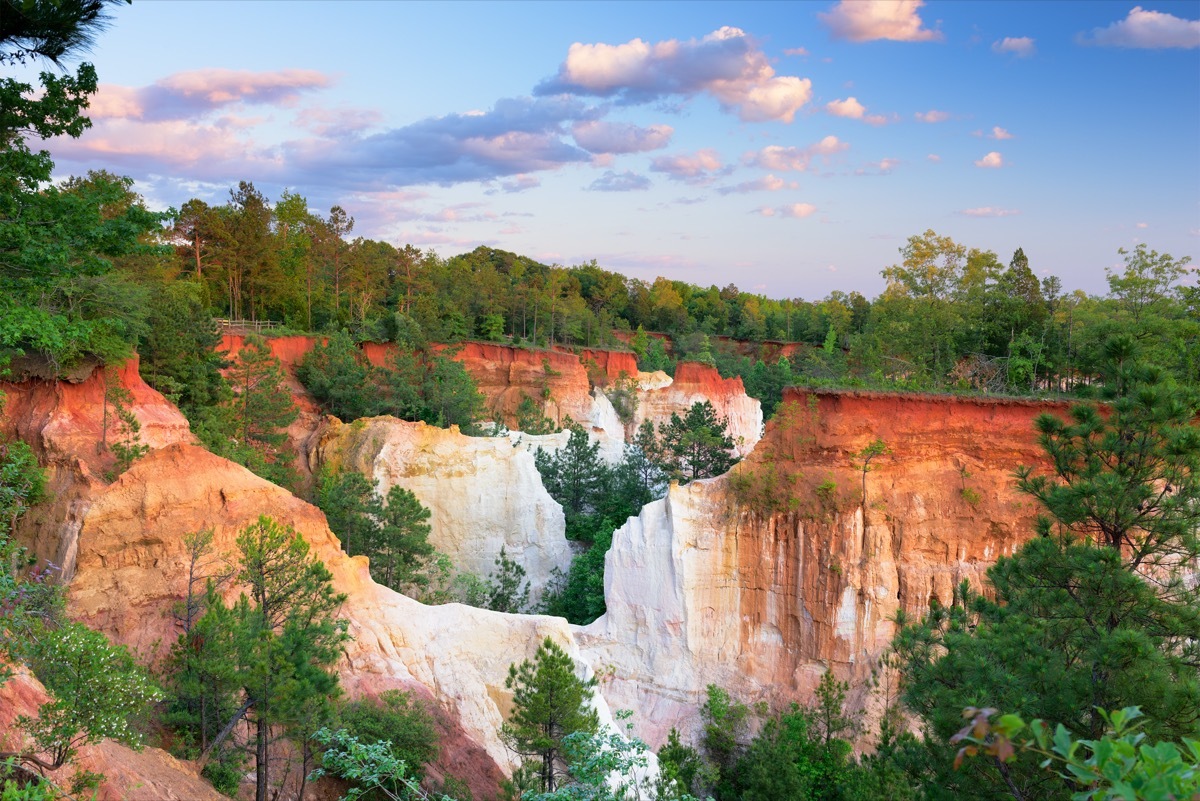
[483, 493]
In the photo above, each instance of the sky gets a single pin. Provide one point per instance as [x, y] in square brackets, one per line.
[790, 148]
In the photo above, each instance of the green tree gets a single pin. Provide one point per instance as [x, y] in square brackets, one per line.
[350, 504]
[398, 720]
[1095, 613]
[400, 545]
[339, 377]
[575, 476]
[549, 703]
[697, 445]
[287, 633]
[260, 412]
[96, 692]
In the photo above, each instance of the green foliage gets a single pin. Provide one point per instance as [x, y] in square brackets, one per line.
[575, 476]
[120, 428]
[279, 643]
[1075, 626]
[179, 350]
[400, 544]
[1120, 765]
[580, 596]
[250, 425]
[97, 691]
[725, 738]
[696, 445]
[505, 589]
[623, 396]
[371, 768]
[531, 420]
[337, 374]
[399, 721]
[351, 506]
[549, 703]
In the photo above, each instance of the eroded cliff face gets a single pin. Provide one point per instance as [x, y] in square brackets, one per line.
[695, 383]
[483, 493]
[129, 566]
[759, 581]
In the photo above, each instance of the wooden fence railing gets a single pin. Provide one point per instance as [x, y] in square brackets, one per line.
[247, 326]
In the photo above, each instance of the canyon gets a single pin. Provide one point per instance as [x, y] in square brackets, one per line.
[758, 581]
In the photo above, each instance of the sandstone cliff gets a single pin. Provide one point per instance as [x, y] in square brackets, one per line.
[483, 494]
[127, 564]
[760, 580]
[694, 383]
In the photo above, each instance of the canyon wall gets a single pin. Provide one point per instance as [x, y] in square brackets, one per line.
[694, 383]
[128, 566]
[483, 494]
[762, 579]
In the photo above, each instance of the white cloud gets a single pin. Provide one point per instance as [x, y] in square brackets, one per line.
[1019, 46]
[989, 211]
[867, 20]
[881, 167]
[999, 133]
[991, 160]
[796, 51]
[796, 211]
[1147, 29]
[933, 116]
[725, 64]
[797, 159]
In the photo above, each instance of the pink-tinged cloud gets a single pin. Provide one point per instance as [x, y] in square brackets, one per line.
[186, 95]
[992, 160]
[868, 20]
[1151, 30]
[597, 136]
[334, 121]
[934, 157]
[520, 183]
[725, 64]
[698, 168]
[796, 211]
[794, 159]
[989, 211]
[768, 183]
[999, 133]
[932, 116]
[881, 167]
[796, 51]
[851, 109]
[1019, 46]
[1143, 225]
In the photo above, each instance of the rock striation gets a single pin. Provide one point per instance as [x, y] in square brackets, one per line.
[483, 493]
[695, 383]
[762, 579]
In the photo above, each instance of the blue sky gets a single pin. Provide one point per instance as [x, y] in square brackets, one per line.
[789, 148]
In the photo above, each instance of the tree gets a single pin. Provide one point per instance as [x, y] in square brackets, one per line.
[399, 721]
[287, 634]
[400, 545]
[549, 703]
[697, 445]
[260, 412]
[349, 502]
[340, 378]
[96, 689]
[1095, 613]
[575, 476]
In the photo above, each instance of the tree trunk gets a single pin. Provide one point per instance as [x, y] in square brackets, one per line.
[261, 759]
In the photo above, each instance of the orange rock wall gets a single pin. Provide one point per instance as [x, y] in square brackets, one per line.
[758, 581]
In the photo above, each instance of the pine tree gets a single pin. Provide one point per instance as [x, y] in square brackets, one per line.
[400, 544]
[697, 445]
[549, 703]
[260, 412]
[575, 476]
[1097, 612]
[288, 634]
